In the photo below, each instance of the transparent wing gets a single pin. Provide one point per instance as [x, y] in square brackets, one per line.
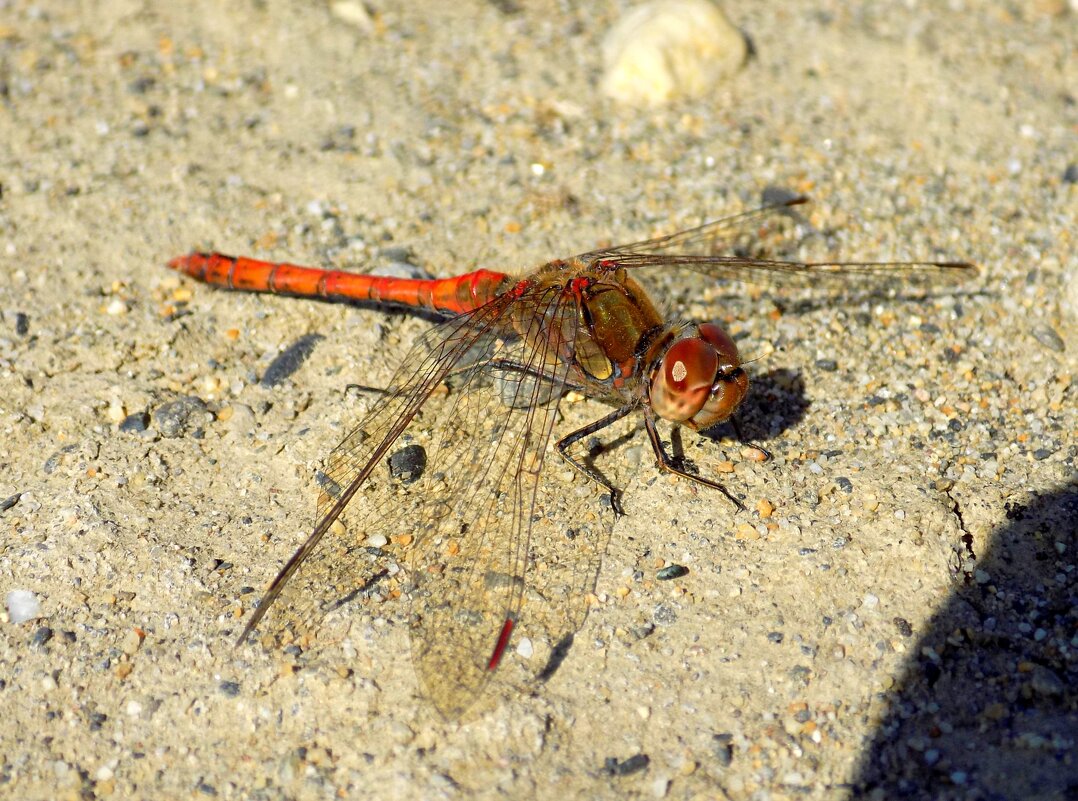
[699, 249]
[354, 461]
[511, 545]
[483, 503]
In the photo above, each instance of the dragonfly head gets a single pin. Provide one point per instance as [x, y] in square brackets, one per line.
[698, 381]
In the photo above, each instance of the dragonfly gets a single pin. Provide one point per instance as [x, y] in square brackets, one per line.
[501, 538]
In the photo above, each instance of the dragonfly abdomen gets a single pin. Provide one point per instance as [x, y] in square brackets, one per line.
[454, 295]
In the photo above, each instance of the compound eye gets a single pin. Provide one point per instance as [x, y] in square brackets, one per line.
[723, 343]
[688, 371]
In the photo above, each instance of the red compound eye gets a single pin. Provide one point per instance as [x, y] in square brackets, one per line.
[699, 381]
[684, 379]
[724, 344]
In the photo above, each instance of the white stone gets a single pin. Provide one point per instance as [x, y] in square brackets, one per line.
[22, 605]
[670, 48]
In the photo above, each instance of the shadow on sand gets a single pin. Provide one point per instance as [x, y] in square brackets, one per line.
[987, 706]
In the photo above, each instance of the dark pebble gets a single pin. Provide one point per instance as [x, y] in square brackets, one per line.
[844, 484]
[955, 424]
[290, 359]
[672, 572]
[54, 461]
[633, 764]
[903, 626]
[406, 465]
[69, 636]
[930, 328]
[331, 487]
[135, 423]
[41, 637]
[22, 324]
[1048, 337]
[806, 551]
[230, 688]
[181, 416]
[97, 720]
[207, 789]
[724, 748]
[140, 86]
[10, 501]
[827, 365]
[1041, 454]
[775, 637]
[1070, 175]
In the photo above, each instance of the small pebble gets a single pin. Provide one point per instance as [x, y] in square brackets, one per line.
[633, 764]
[10, 501]
[22, 324]
[525, 648]
[1048, 337]
[723, 744]
[407, 464]
[671, 572]
[41, 637]
[666, 49]
[22, 605]
[230, 688]
[181, 416]
[135, 423]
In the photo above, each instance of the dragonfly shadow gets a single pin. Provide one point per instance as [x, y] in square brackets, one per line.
[987, 706]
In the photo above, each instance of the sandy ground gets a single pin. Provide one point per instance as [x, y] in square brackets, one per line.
[902, 624]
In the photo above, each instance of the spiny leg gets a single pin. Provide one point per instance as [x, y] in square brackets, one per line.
[569, 440]
[666, 464]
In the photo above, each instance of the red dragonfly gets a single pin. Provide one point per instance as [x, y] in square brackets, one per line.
[497, 535]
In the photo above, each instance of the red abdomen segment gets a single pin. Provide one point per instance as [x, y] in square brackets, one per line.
[454, 295]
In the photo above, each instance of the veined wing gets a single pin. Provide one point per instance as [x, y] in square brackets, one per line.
[507, 539]
[699, 249]
[483, 504]
[355, 459]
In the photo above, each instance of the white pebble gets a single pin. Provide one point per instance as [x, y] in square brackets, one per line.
[22, 605]
[377, 540]
[524, 648]
[670, 48]
[354, 14]
[134, 709]
[870, 601]
[116, 308]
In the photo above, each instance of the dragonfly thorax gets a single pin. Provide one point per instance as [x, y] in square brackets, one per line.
[698, 380]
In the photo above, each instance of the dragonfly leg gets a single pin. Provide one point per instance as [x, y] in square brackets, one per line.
[666, 464]
[569, 440]
[751, 443]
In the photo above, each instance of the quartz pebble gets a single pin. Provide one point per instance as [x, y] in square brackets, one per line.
[668, 49]
[22, 605]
